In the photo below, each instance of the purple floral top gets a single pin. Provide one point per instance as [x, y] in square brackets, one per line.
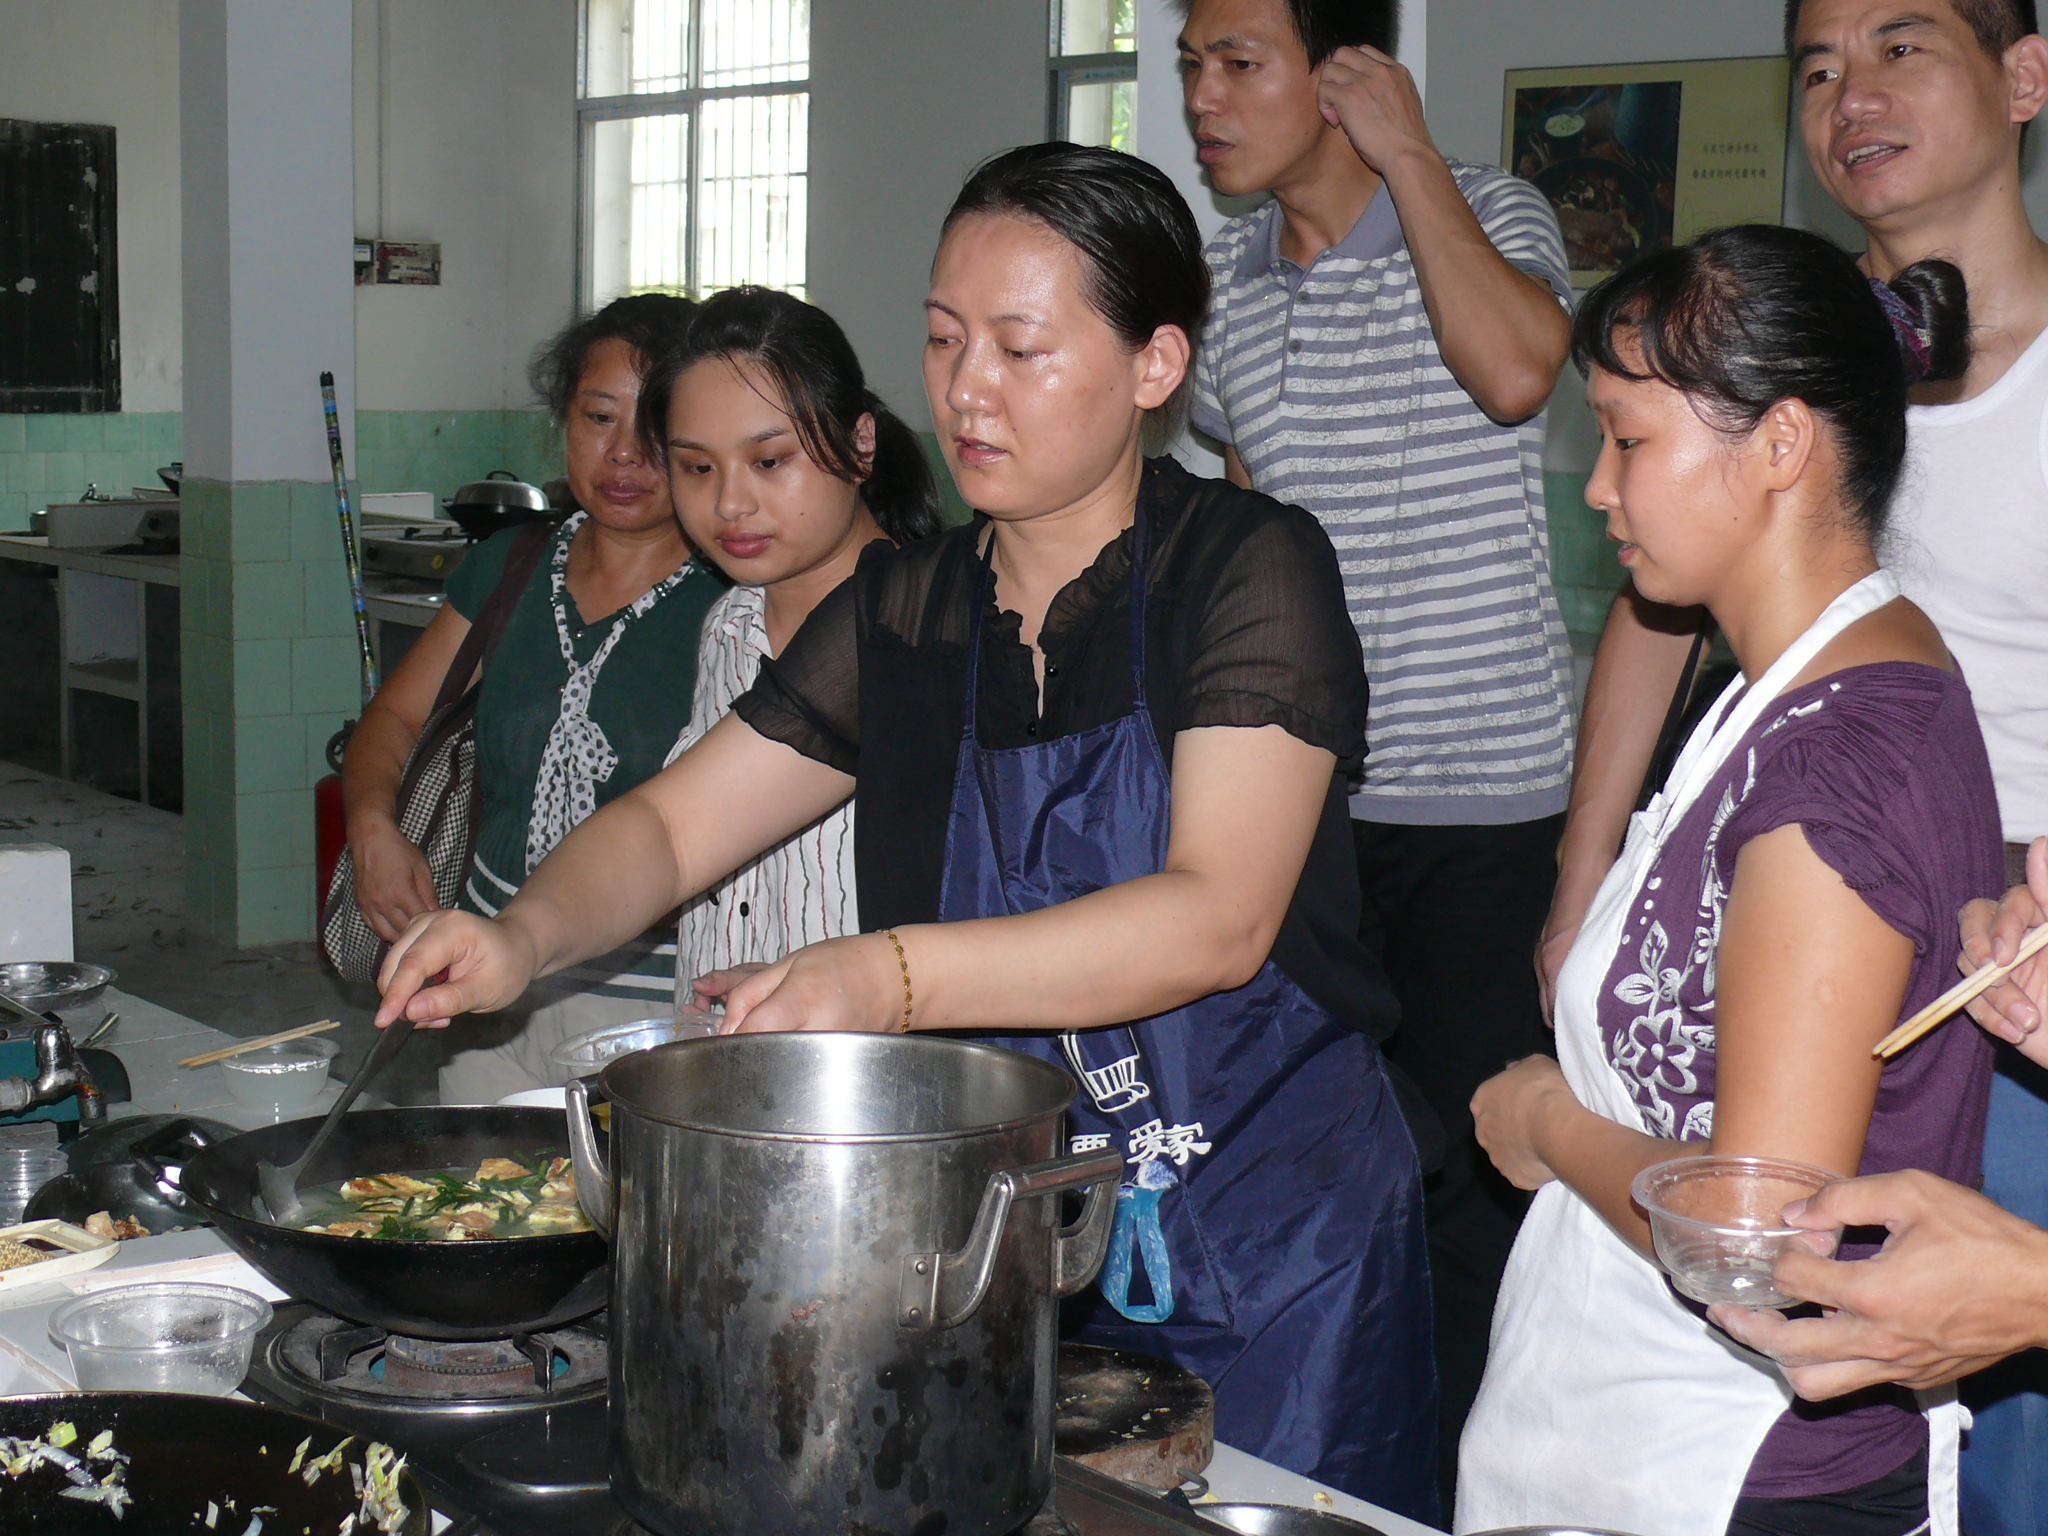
[1885, 770]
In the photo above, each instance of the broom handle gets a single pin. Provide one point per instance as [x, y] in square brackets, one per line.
[348, 535]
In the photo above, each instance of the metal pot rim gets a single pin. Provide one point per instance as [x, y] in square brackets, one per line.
[622, 1102]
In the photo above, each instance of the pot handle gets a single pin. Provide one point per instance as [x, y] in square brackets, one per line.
[593, 1179]
[943, 1290]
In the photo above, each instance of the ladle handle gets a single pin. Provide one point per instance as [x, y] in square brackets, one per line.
[389, 1039]
[943, 1290]
[593, 1179]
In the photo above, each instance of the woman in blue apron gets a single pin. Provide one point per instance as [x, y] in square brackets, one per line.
[1099, 739]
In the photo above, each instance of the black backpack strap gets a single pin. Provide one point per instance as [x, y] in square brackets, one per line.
[528, 544]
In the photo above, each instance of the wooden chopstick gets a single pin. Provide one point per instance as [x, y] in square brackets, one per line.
[206, 1058]
[1956, 996]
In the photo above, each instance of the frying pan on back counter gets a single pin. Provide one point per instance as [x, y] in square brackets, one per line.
[184, 1454]
[499, 500]
[487, 1288]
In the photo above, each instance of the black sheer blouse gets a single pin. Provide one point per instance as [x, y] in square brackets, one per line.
[1245, 625]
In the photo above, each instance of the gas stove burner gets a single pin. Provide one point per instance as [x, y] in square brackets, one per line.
[330, 1359]
[487, 1368]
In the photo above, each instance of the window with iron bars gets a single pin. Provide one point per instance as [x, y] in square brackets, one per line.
[695, 145]
[1094, 85]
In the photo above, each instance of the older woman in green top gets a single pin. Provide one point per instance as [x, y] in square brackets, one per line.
[589, 687]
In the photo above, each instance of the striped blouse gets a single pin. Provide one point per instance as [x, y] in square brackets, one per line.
[796, 894]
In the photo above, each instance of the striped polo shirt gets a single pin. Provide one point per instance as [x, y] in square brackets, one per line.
[1329, 383]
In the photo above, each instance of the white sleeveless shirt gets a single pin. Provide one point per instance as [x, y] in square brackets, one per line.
[1969, 544]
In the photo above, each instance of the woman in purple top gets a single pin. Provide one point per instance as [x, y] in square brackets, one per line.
[1787, 899]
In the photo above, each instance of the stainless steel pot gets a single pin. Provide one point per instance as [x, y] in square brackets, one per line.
[834, 1280]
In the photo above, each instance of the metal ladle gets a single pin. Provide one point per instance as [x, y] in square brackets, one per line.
[278, 1188]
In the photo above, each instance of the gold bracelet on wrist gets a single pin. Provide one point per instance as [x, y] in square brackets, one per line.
[903, 1025]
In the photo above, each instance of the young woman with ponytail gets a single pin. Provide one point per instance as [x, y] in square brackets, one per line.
[1786, 901]
[783, 466]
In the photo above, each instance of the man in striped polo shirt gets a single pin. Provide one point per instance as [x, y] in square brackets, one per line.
[1382, 339]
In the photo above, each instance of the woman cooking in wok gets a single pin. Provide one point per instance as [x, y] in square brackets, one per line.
[1098, 739]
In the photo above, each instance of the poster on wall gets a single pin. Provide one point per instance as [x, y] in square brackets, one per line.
[1635, 157]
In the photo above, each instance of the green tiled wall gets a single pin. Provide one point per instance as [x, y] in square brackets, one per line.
[269, 673]
[46, 458]
[54, 458]
[1582, 562]
[440, 450]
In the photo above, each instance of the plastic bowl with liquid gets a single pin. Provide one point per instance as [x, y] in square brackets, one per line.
[1719, 1224]
[281, 1080]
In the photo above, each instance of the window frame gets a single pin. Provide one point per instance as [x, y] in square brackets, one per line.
[1065, 71]
[592, 110]
[1074, 69]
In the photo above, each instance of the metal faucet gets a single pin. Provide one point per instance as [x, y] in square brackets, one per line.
[59, 1074]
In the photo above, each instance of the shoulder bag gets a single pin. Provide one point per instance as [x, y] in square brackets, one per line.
[439, 806]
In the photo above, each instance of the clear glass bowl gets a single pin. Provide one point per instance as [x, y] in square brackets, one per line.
[165, 1337]
[281, 1080]
[585, 1054]
[1719, 1224]
[23, 1171]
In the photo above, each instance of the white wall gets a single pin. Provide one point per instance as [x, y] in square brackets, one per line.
[1473, 43]
[906, 97]
[266, 310]
[465, 133]
[116, 62]
[480, 154]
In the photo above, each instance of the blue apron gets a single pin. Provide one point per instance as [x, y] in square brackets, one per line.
[1270, 1235]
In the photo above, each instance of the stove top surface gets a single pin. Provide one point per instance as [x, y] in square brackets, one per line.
[503, 1455]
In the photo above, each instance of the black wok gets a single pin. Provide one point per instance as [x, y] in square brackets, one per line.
[187, 1452]
[487, 1288]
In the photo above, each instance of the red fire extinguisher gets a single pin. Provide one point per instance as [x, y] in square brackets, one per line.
[330, 828]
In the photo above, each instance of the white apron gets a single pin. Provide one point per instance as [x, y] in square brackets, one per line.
[1606, 1402]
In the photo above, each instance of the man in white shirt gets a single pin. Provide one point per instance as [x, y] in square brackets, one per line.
[1913, 115]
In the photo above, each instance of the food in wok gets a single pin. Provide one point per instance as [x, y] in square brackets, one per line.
[523, 1195]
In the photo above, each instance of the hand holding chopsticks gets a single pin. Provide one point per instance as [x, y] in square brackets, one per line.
[207, 1058]
[1981, 980]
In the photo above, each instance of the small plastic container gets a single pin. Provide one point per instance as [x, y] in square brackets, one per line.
[1719, 1225]
[280, 1080]
[23, 1171]
[585, 1054]
[168, 1336]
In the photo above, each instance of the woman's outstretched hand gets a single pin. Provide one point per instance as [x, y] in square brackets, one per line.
[840, 984]
[2012, 1010]
[486, 964]
[713, 988]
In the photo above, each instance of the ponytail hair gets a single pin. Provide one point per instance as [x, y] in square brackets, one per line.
[818, 379]
[1746, 317]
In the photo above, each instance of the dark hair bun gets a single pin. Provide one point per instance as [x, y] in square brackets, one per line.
[1940, 300]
